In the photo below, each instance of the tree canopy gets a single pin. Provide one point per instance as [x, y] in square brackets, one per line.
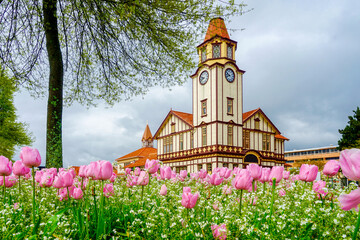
[86, 50]
[351, 133]
[12, 132]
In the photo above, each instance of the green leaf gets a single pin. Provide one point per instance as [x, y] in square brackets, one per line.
[52, 223]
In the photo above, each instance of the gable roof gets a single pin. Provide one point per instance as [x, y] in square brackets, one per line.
[249, 114]
[187, 118]
[144, 152]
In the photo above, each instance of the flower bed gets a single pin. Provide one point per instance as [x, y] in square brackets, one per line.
[228, 204]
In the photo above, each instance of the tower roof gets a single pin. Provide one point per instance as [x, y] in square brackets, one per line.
[147, 133]
[216, 27]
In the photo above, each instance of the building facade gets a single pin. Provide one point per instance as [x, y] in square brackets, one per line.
[314, 155]
[218, 133]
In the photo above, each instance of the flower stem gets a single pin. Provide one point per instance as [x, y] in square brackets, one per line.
[273, 196]
[240, 201]
[33, 200]
[356, 227]
[4, 188]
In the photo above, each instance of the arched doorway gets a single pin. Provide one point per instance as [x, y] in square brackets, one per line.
[251, 158]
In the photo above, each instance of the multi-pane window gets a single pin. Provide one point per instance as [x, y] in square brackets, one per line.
[168, 144]
[216, 51]
[225, 165]
[209, 167]
[230, 51]
[172, 127]
[178, 169]
[266, 142]
[203, 108]
[230, 102]
[230, 135]
[246, 139]
[203, 55]
[181, 142]
[204, 136]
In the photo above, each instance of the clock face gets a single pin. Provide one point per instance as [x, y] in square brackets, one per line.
[204, 76]
[229, 75]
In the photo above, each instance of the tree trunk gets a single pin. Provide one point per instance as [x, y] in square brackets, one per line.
[55, 100]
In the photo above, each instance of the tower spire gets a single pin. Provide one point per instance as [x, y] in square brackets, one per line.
[147, 139]
[216, 28]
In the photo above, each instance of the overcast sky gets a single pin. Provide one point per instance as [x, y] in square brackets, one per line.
[302, 63]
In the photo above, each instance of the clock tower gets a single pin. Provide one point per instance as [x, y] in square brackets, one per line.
[217, 91]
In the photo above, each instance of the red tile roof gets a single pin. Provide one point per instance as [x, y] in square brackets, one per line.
[279, 136]
[248, 114]
[216, 27]
[144, 152]
[141, 162]
[147, 133]
[186, 117]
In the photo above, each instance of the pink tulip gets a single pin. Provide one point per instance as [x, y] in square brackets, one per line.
[225, 172]
[183, 174]
[5, 166]
[30, 157]
[265, 174]
[331, 168]
[131, 180]
[9, 181]
[282, 192]
[143, 178]
[255, 171]
[295, 178]
[58, 181]
[68, 179]
[113, 177]
[319, 186]
[38, 175]
[82, 171]
[189, 200]
[72, 171]
[351, 200]
[165, 172]
[350, 163]
[227, 190]
[77, 193]
[215, 179]
[186, 189]
[277, 173]
[286, 175]
[127, 171]
[202, 173]
[108, 190]
[46, 180]
[152, 166]
[163, 190]
[137, 171]
[52, 171]
[103, 171]
[242, 180]
[308, 173]
[219, 231]
[19, 169]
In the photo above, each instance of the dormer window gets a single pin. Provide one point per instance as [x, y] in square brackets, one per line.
[216, 51]
[203, 55]
[230, 51]
[257, 123]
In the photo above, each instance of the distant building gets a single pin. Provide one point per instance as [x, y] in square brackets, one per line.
[313, 155]
[138, 157]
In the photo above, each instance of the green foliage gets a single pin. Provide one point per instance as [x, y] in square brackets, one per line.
[351, 133]
[12, 133]
[112, 50]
